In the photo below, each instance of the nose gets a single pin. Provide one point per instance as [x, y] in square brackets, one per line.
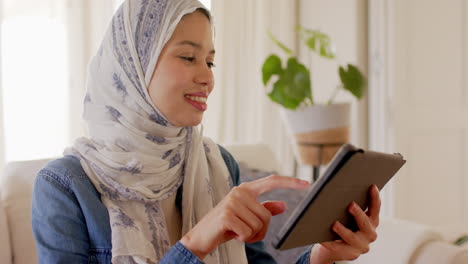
[204, 76]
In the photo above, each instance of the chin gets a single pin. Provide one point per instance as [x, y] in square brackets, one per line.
[190, 122]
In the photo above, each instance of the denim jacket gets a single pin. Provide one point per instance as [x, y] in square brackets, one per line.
[71, 224]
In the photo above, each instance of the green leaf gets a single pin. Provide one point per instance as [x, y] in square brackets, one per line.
[293, 85]
[462, 240]
[279, 44]
[302, 82]
[279, 95]
[308, 31]
[311, 42]
[298, 78]
[353, 80]
[271, 66]
[318, 42]
[326, 46]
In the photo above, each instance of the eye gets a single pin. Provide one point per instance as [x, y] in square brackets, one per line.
[191, 59]
[210, 65]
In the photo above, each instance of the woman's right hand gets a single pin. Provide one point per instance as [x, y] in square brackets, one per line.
[239, 215]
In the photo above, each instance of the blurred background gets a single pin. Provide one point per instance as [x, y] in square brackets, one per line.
[413, 52]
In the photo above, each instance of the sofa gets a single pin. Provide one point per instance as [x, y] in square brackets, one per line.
[399, 241]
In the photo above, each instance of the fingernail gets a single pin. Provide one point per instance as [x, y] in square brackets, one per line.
[304, 182]
[335, 226]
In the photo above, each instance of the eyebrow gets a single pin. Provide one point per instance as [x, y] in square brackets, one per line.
[193, 44]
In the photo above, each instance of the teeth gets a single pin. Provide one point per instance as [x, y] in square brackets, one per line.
[196, 99]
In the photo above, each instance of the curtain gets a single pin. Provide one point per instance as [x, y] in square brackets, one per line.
[87, 22]
[238, 109]
[43, 72]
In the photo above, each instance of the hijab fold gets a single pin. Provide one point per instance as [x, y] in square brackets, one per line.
[134, 156]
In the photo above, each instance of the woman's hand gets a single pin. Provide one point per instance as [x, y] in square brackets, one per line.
[239, 215]
[352, 244]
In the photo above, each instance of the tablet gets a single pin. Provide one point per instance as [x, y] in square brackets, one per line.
[348, 178]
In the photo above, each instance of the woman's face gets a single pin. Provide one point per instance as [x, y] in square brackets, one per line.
[182, 79]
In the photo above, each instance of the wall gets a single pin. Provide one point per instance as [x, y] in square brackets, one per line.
[430, 104]
[346, 23]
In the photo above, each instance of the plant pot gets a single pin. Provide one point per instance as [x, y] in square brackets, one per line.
[318, 131]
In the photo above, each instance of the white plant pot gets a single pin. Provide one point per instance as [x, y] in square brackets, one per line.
[318, 131]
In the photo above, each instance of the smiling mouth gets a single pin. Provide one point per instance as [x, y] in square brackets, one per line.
[197, 101]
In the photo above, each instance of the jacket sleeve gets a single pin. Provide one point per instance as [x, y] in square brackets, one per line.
[58, 224]
[180, 254]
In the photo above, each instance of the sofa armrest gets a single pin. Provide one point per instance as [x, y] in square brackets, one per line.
[397, 242]
[441, 252]
[16, 186]
[5, 247]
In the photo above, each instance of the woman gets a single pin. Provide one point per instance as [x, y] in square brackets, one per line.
[146, 187]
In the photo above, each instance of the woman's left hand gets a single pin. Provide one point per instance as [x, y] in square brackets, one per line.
[352, 244]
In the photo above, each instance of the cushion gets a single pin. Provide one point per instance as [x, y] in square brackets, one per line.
[441, 252]
[5, 249]
[290, 197]
[258, 156]
[17, 184]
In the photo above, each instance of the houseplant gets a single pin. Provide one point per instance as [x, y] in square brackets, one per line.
[319, 129]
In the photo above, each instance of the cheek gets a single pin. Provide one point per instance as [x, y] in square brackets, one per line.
[160, 82]
[174, 78]
[168, 86]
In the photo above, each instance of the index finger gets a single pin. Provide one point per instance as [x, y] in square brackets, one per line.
[272, 182]
[374, 207]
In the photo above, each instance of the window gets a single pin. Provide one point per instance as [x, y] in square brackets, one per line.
[34, 79]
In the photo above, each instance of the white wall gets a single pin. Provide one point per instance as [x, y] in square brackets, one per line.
[419, 60]
[346, 23]
[428, 45]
